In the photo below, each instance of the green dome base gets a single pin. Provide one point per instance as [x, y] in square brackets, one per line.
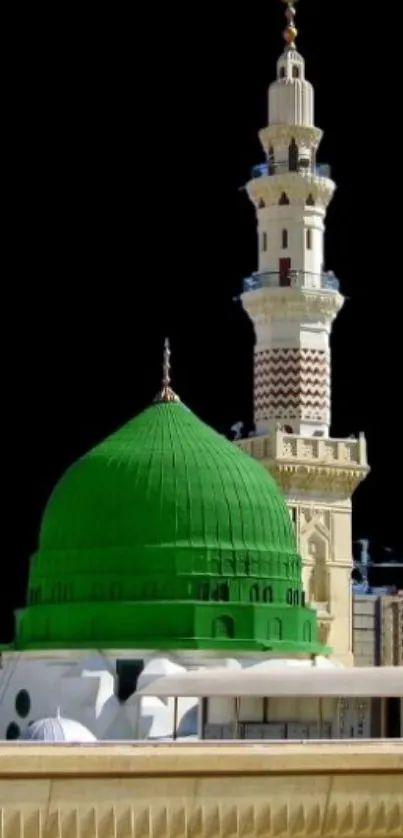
[288, 629]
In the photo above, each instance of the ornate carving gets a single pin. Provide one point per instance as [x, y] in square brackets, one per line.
[263, 190]
[319, 583]
[323, 631]
[267, 304]
[304, 135]
[290, 380]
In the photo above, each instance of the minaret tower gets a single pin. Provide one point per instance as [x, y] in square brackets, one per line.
[292, 302]
[291, 194]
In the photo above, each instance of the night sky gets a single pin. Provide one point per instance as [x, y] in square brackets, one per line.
[129, 138]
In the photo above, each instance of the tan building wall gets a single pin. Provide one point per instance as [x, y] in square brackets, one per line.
[318, 476]
[184, 791]
[378, 630]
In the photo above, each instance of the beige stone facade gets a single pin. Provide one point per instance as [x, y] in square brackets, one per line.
[202, 791]
[318, 476]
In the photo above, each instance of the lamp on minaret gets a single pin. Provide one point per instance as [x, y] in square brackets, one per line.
[291, 299]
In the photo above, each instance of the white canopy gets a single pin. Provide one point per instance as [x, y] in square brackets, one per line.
[375, 682]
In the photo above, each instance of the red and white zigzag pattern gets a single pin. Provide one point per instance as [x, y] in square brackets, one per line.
[292, 383]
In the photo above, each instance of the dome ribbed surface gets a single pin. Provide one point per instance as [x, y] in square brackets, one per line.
[166, 478]
[166, 536]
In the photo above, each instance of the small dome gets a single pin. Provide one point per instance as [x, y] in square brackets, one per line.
[57, 730]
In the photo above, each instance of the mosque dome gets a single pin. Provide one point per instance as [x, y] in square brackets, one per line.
[57, 730]
[167, 536]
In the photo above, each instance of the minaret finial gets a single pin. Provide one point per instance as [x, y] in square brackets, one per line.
[290, 32]
[166, 394]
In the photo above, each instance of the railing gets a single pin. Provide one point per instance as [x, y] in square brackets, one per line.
[294, 279]
[282, 446]
[265, 169]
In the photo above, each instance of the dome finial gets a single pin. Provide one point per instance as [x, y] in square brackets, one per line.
[166, 394]
[290, 32]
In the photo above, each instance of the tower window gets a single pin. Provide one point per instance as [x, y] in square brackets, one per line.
[293, 156]
[284, 239]
[284, 200]
[264, 241]
[295, 72]
[282, 72]
[309, 239]
[310, 201]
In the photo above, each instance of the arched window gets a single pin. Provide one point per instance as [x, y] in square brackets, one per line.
[296, 597]
[293, 156]
[268, 594]
[295, 72]
[284, 239]
[204, 591]
[310, 201]
[309, 239]
[254, 593]
[282, 72]
[284, 200]
[275, 629]
[264, 242]
[223, 627]
[223, 592]
[261, 203]
[290, 596]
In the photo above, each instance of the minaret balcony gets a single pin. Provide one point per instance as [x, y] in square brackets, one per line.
[303, 167]
[325, 281]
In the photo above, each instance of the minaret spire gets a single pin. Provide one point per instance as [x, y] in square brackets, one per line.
[290, 32]
[166, 394]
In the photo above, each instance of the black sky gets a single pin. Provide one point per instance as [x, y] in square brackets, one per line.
[128, 138]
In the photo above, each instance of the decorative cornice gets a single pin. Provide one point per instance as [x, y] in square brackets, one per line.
[265, 304]
[278, 134]
[297, 186]
[306, 463]
[324, 479]
[117, 791]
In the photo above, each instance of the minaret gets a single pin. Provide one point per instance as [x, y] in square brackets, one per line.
[292, 302]
[291, 299]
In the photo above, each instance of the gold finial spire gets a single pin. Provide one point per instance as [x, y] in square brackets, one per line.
[290, 32]
[166, 394]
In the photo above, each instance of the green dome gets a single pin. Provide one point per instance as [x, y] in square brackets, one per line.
[166, 536]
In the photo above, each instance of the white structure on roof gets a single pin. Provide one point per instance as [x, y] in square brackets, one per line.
[57, 730]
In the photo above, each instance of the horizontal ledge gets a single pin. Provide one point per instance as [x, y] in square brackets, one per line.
[135, 760]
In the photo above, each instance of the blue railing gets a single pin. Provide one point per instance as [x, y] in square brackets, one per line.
[294, 279]
[263, 170]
